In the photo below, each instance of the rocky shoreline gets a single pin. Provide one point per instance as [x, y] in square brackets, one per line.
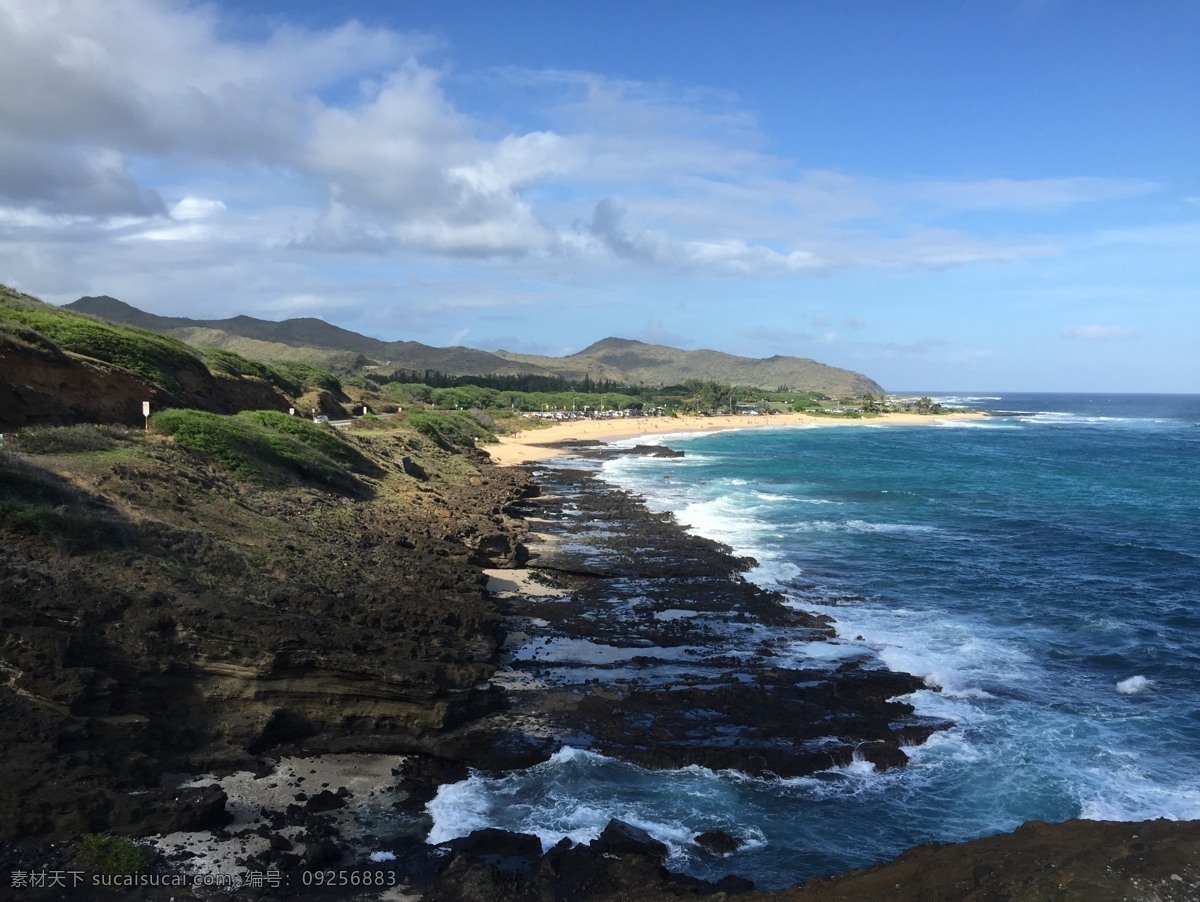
[655, 624]
[339, 678]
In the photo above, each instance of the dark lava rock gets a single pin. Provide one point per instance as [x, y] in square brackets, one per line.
[321, 853]
[1077, 860]
[718, 842]
[413, 469]
[500, 848]
[620, 838]
[884, 755]
[170, 811]
[325, 801]
[280, 843]
[652, 451]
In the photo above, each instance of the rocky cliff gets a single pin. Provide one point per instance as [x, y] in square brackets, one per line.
[160, 615]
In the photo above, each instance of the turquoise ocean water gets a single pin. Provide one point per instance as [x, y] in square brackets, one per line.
[1041, 572]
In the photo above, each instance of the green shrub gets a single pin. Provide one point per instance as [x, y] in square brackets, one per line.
[252, 450]
[61, 440]
[37, 502]
[154, 357]
[408, 392]
[290, 377]
[322, 438]
[451, 429]
[113, 855]
[222, 361]
[13, 334]
[310, 378]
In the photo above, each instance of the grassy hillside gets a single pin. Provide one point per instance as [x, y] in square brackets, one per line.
[59, 367]
[264, 447]
[164, 361]
[617, 360]
[633, 362]
[316, 341]
[276, 352]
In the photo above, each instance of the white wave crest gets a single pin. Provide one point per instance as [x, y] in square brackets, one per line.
[1135, 685]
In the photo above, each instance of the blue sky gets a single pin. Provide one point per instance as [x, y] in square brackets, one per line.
[961, 194]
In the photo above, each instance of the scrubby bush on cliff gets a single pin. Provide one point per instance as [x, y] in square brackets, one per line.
[290, 377]
[114, 855]
[320, 438]
[253, 450]
[62, 439]
[451, 429]
[154, 357]
[36, 502]
[16, 335]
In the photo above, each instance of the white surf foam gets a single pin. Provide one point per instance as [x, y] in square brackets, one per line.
[1135, 685]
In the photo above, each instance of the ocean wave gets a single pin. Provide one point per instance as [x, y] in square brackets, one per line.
[1135, 685]
[974, 424]
[1130, 793]
[770, 496]
[576, 793]
[1065, 418]
[862, 526]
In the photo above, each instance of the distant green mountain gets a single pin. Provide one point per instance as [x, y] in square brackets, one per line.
[318, 343]
[634, 362]
[309, 340]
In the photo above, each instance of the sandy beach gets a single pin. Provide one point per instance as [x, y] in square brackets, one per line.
[539, 444]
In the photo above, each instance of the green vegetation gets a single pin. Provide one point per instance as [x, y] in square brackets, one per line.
[152, 356]
[502, 382]
[320, 438]
[113, 855]
[253, 450]
[16, 335]
[451, 429]
[34, 502]
[63, 439]
[290, 377]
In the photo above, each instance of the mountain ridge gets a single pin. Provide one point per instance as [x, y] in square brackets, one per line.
[622, 360]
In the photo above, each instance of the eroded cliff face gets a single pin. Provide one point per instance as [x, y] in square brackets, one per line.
[44, 386]
[158, 616]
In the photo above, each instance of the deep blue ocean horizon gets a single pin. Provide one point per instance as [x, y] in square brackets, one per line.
[1039, 569]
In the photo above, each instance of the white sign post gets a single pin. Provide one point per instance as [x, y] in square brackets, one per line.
[146, 413]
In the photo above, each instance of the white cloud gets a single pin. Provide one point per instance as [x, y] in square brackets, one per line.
[1095, 332]
[193, 208]
[125, 120]
[1022, 194]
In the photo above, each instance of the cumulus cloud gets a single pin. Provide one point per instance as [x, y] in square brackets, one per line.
[90, 181]
[1095, 332]
[155, 132]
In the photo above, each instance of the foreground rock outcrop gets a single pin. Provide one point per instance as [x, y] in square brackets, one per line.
[1076, 861]
[160, 616]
